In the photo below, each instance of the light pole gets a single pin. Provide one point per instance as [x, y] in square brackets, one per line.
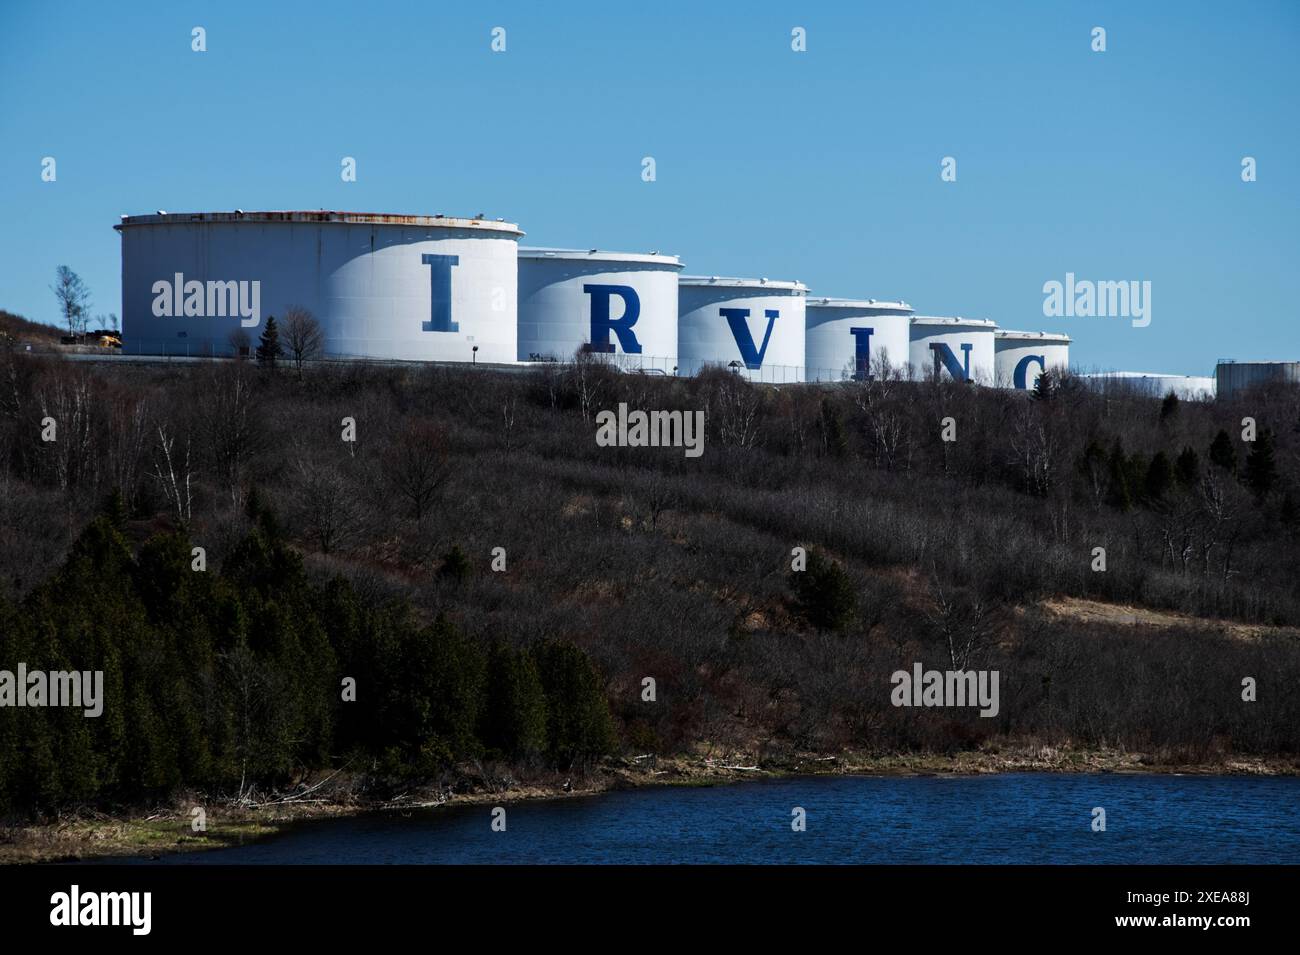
[474, 358]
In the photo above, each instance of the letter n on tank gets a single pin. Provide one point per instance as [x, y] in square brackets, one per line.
[942, 353]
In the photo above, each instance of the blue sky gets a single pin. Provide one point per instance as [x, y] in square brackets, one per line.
[822, 166]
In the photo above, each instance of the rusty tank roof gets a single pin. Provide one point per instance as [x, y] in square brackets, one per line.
[323, 216]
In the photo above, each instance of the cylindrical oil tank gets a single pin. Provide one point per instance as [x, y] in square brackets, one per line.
[1234, 377]
[429, 288]
[755, 327]
[621, 304]
[856, 339]
[1020, 357]
[1150, 384]
[957, 348]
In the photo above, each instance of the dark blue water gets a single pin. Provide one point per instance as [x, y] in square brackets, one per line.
[1017, 818]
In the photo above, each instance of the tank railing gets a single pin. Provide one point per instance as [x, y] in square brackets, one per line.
[767, 374]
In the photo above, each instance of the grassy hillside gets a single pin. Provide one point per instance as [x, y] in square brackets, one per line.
[977, 552]
[26, 331]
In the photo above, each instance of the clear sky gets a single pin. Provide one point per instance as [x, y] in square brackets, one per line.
[822, 166]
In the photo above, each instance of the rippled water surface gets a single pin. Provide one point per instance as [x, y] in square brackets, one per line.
[1017, 818]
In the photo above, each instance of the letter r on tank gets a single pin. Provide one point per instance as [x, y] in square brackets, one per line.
[440, 292]
[602, 324]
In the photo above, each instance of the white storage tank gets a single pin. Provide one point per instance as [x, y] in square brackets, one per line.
[957, 348]
[1151, 384]
[621, 304]
[1233, 377]
[1020, 357]
[428, 288]
[855, 339]
[755, 327]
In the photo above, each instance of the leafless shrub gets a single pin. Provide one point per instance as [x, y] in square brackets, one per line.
[302, 336]
[231, 425]
[328, 506]
[416, 466]
[962, 622]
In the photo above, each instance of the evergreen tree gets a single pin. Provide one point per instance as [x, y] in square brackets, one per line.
[514, 721]
[1187, 469]
[1159, 477]
[1045, 387]
[1222, 452]
[1117, 464]
[115, 509]
[579, 724]
[1261, 469]
[1168, 407]
[1092, 467]
[269, 349]
[229, 680]
[455, 686]
[455, 564]
[834, 439]
[824, 593]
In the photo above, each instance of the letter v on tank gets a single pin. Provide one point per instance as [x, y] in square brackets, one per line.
[752, 327]
[619, 304]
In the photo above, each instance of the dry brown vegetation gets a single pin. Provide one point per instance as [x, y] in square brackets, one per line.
[678, 569]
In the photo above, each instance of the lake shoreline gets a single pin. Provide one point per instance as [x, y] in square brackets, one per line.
[150, 833]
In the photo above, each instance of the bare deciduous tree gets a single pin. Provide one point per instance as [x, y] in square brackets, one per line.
[1034, 447]
[171, 466]
[660, 495]
[240, 343]
[509, 412]
[962, 622]
[590, 373]
[416, 465]
[733, 404]
[68, 399]
[230, 424]
[74, 298]
[886, 427]
[124, 441]
[328, 505]
[302, 336]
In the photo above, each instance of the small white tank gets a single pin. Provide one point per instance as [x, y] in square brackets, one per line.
[1020, 357]
[754, 327]
[1152, 384]
[620, 304]
[856, 338]
[956, 348]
